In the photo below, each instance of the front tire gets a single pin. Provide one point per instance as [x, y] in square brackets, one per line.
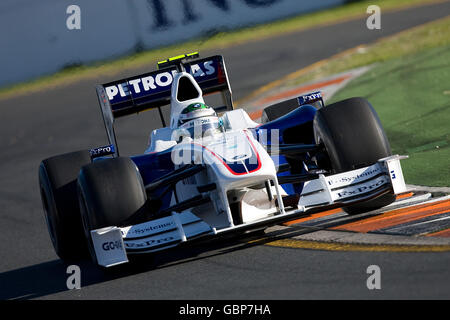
[353, 138]
[109, 192]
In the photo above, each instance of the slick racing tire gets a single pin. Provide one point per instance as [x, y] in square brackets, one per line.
[58, 187]
[353, 137]
[109, 192]
[278, 110]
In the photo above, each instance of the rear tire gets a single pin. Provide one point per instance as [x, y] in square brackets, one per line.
[109, 192]
[354, 138]
[58, 188]
[278, 110]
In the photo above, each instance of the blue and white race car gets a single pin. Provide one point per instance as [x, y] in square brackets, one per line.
[212, 170]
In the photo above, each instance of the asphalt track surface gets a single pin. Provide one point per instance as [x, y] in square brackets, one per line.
[33, 127]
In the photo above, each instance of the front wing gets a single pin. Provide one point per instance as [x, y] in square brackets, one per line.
[113, 244]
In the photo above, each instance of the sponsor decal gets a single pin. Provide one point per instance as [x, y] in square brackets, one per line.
[102, 151]
[156, 82]
[307, 98]
[361, 189]
[111, 245]
[199, 122]
[352, 178]
[252, 161]
[147, 229]
[149, 243]
[393, 174]
[240, 156]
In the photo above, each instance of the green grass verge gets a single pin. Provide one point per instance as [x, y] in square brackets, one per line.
[411, 95]
[220, 40]
[430, 35]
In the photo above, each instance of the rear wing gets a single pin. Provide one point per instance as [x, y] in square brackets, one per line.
[153, 90]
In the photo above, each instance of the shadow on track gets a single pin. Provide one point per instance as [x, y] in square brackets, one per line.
[50, 277]
[39, 280]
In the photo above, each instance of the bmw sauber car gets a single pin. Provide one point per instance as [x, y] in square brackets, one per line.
[211, 170]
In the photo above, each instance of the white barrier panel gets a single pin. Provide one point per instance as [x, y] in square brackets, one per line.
[36, 40]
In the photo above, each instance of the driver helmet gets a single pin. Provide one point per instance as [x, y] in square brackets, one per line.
[198, 118]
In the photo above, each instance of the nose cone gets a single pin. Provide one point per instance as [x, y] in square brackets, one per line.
[233, 159]
[235, 155]
[238, 160]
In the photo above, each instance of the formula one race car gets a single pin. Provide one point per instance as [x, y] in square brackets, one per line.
[212, 171]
